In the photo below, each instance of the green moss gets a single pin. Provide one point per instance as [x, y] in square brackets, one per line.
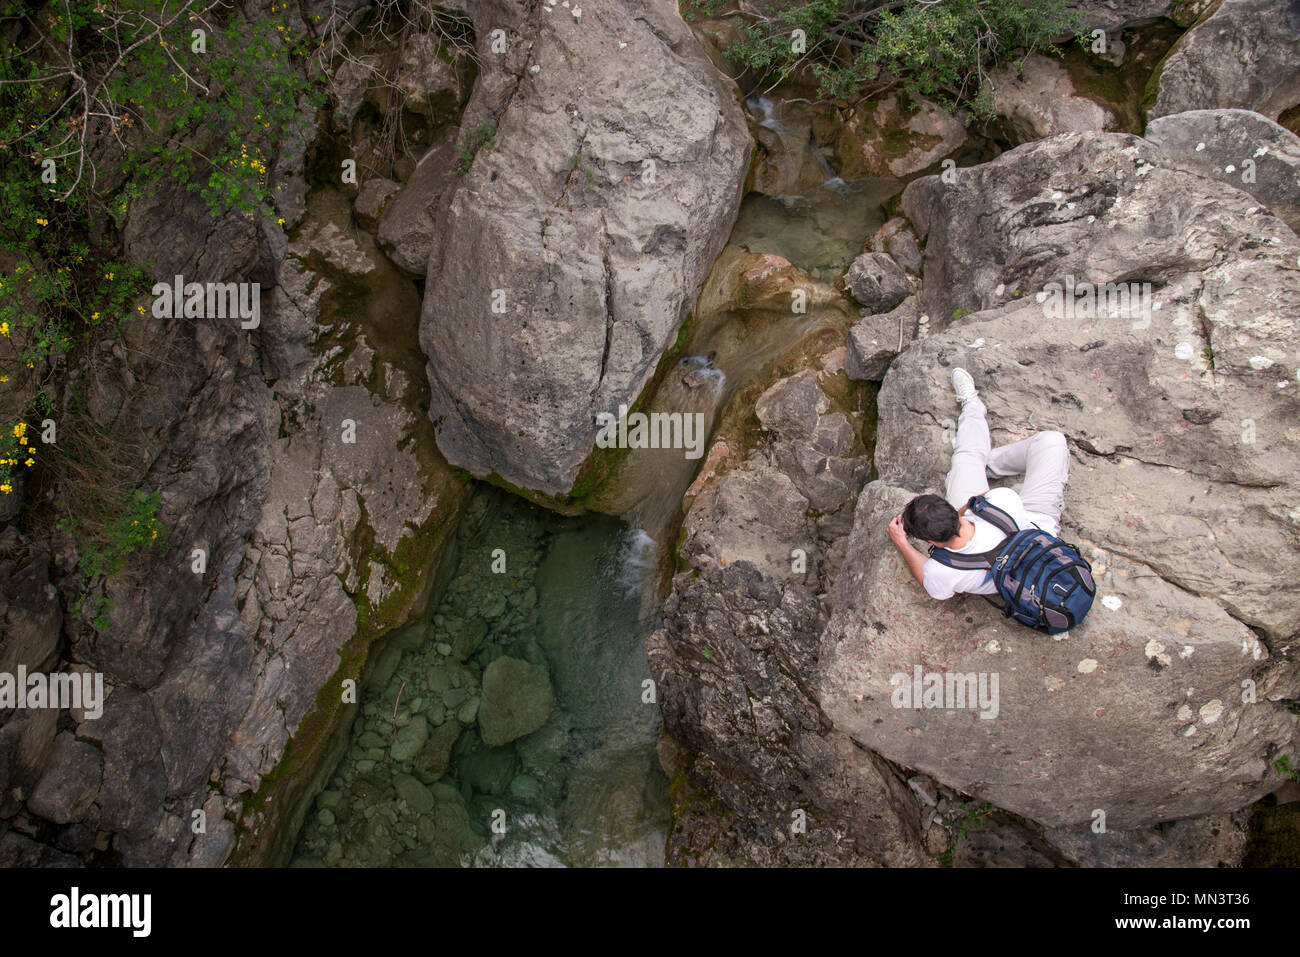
[411, 566]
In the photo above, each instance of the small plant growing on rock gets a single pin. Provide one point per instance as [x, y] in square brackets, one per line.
[104, 549]
[471, 141]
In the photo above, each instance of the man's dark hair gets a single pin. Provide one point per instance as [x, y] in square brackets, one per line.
[931, 518]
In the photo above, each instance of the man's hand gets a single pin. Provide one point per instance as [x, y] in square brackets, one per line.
[914, 559]
[897, 534]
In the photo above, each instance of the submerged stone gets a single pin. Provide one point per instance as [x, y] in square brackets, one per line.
[410, 740]
[517, 700]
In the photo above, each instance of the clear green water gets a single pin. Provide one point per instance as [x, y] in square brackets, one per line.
[820, 231]
[576, 600]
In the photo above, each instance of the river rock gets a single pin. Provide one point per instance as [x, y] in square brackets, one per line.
[517, 700]
[1246, 55]
[878, 338]
[754, 515]
[409, 740]
[415, 794]
[434, 758]
[877, 282]
[556, 223]
[372, 200]
[815, 446]
[893, 136]
[896, 238]
[1035, 98]
[1239, 148]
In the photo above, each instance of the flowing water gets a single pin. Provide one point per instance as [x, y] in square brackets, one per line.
[570, 601]
[418, 786]
[821, 232]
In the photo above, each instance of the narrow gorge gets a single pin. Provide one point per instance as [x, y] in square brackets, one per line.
[366, 587]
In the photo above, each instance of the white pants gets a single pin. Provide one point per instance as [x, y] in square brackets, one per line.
[1043, 459]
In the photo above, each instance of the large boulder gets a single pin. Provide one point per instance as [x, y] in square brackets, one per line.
[578, 239]
[1246, 55]
[1169, 700]
[1239, 148]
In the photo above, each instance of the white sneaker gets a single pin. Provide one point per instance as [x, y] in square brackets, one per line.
[963, 385]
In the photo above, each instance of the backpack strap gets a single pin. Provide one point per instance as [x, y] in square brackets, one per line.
[995, 516]
[964, 562]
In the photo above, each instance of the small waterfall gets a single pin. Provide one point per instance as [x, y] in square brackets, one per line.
[833, 180]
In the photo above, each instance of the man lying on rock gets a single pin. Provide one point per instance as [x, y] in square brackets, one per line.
[997, 541]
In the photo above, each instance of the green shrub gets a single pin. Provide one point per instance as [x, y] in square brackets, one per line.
[135, 528]
[940, 49]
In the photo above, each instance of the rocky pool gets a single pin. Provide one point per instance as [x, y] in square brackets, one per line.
[510, 725]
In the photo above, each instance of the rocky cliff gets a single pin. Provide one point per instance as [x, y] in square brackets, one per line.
[1141, 736]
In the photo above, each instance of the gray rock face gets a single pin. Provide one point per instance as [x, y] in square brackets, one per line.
[740, 635]
[1035, 98]
[876, 282]
[517, 700]
[412, 217]
[1246, 55]
[70, 783]
[1184, 511]
[588, 226]
[211, 674]
[30, 614]
[727, 664]
[896, 238]
[816, 448]
[1113, 14]
[877, 339]
[1239, 148]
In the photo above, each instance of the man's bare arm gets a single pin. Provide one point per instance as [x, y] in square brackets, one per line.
[914, 559]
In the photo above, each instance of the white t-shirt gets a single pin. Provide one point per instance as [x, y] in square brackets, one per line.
[944, 582]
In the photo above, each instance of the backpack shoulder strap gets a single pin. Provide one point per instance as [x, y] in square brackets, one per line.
[976, 560]
[995, 516]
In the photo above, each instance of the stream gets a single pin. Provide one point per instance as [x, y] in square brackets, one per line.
[510, 724]
[417, 785]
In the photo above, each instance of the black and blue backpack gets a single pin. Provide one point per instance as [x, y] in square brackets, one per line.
[1042, 581]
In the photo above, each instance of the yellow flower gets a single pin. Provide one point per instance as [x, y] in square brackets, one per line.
[280, 220]
[4, 378]
[4, 328]
[30, 462]
[31, 450]
[42, 222]
[140, 309]
[6, 488]
[94, 315]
